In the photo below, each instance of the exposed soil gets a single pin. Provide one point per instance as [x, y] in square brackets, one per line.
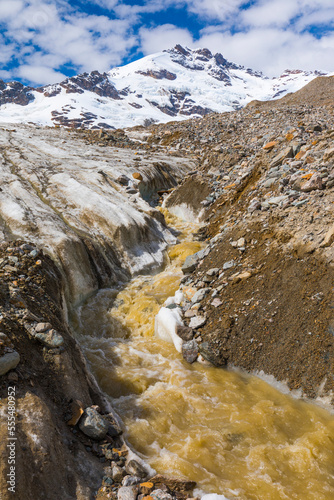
[279, 319]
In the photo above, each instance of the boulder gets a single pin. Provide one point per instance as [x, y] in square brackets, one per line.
[314, 183]
[283, 155]
[9, 361]
[212, 354]
[136, 469]
[93, 424]
[127, 493]
[199, 295]
[190, 264]
[190, 351]
[197, 321]
[51, 338]
[184, 332]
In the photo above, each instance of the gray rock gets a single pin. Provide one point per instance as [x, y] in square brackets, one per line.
[276, 200]
[131, 480]
[127, 493]
[9, 361]
[278, 160]
[199, 295]
[190, 264]
[197, 321]
[123, 179]
[184, 332]
[296, 146]
[107, 481]
[212, 354]
[202, 253]
[213, 271]
[161, 495]
[229, 264]
[254, 205]
[135, 468]
[117, 474]
[50, 339]
[269, 183]
[93, 425]
[42, 327]
[190, 351]
[207, 279]
[312, 184]
[299, 203]
[34, 253]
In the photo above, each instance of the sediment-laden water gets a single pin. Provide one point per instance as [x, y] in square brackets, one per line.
[233, 433]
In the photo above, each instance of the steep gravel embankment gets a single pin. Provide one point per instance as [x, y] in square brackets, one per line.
[260, 297]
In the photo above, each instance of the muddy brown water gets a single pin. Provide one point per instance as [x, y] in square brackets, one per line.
[232, 433]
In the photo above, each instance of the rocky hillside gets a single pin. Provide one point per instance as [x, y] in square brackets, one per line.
[178, 83]
[260, 296]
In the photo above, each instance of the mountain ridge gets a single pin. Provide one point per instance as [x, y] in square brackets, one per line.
[174, 84]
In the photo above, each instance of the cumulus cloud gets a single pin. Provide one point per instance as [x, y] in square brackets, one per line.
[36, 74]
[163, 37]
[270, 35]
[52, 34]
[273, 50]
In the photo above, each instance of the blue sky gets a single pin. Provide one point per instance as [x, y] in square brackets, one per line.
[43, 41]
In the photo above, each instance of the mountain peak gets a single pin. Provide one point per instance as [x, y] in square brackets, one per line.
[174, 84]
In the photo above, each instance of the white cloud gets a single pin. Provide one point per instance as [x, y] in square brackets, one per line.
[273, 50]
[163, 37]
[214, 9]
[10, 8]
[36, 74]
[273, 13]
[52, 34]
[5, 75]
[270, 35]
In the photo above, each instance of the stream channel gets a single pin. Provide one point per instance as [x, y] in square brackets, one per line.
[232, 433]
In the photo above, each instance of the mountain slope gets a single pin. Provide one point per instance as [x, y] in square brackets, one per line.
[174, 84]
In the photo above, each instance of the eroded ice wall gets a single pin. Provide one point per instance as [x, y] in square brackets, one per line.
[66, 196]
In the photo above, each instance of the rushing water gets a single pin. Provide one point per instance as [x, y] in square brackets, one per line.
[234, 434]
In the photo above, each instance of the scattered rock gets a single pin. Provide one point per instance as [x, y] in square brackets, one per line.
[42, 327]
[127, 493]
[50, 339]
[190, 264]
[315, 182]
[135, 468]
[283, 155]
[77, 411]
[161, 495]
[213, 272]
[228, 265]
[190, 351]
[197, 322]
[212, 354]
[199, 295]
[216, 302]
[9, 361]
[117, 474]
[123, 179]
[146, 488]
[184, 332]
[93, 424]
[137, 176]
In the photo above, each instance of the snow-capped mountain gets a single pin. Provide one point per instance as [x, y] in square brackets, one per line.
[170, 85]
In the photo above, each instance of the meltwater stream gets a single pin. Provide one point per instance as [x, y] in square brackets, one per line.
[232, 433]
